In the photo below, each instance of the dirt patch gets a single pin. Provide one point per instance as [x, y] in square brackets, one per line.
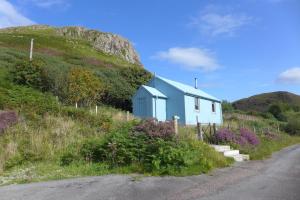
[50, 52]
[97, 62]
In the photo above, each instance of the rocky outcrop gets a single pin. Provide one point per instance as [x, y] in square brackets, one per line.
[107, 42]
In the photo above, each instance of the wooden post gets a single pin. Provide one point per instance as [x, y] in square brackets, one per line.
[214, 128]
[199, 132]
[127, 116]
[175, 120]
[76, 106]
[209, 129]
[96, 109]
[31, 49]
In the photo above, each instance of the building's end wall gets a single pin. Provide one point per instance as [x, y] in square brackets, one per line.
[205, 114]
[175, 101]
[142, 104]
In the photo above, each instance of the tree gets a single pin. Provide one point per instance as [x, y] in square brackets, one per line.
[293, 126]
[136, 76]
[83, 87]
[277, 112]
[121, 84]
[227, 106]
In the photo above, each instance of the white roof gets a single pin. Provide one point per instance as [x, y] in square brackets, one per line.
[154, 91]
[188, 89]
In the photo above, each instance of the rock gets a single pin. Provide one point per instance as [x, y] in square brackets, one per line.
[107, 42]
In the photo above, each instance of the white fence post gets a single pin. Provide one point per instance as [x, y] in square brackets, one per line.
[175, 119]
[127, 116]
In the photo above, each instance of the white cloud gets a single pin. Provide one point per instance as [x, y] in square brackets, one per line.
[9, 16]
[290, 76]
[49, 3]
[213, 21]
[190, 58]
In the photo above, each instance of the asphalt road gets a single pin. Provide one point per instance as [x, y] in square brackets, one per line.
[274, 178]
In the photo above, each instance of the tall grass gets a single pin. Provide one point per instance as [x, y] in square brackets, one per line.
[42, 140]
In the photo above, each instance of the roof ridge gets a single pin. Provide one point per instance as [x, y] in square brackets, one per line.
[187, 88]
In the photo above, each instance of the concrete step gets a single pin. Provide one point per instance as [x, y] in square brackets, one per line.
[241, 157]
[221, 148]
[235, 154]
[238, 158]
[245, 157]
[231, 153]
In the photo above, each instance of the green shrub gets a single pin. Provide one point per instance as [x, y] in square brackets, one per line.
[227, 107]
[67, 158]
[30, 73]
[166, 156]
[277, 111]
[267, 115]
[293, 126]
[170, 155]
[28, 100]
[91, 150]
[13, 161]
[118, 148]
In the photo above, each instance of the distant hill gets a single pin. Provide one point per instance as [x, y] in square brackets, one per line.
[261, 102]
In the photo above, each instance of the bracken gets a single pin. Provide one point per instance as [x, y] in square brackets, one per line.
[7, 118]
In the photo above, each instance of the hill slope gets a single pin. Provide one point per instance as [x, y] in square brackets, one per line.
[261, 102]
[72, 41]
[109, 56]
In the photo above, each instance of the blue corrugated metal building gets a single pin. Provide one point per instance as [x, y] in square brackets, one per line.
[163, 99]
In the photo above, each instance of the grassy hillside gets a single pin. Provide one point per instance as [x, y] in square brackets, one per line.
[262, 102]
[60, 54]
[48, 42]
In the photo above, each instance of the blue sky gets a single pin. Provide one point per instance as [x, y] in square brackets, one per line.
[235, 49]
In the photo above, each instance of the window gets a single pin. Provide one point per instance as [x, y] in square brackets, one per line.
[213, 107]
[197, 103]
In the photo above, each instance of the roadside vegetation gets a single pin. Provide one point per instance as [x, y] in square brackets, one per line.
[74, 143]
[258, 134]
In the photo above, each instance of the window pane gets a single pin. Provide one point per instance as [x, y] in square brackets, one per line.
[196, 103]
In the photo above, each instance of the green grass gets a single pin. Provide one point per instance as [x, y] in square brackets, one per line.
[45, 171]
[267, 147]
[48, 43]
[43, 142]
[260, 125]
